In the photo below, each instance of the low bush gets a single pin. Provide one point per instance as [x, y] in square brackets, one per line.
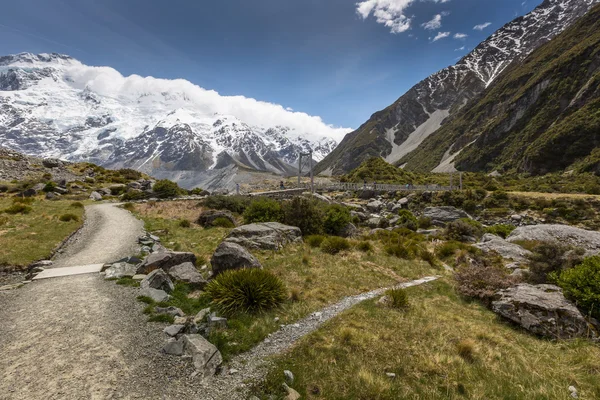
[4, 188]
[304, 213]
[22, 200]
[18, 208]
[165, 188]
[134, 195]
[548, 259]
[424, 223]
[314, 240]
[263, 209]
[184, 223]
[364, 246]
[246, 291]
[399, 250]
[129, 174]
[223, 222]
[77, 204]
[428, 257]
[336, 218]
[582, 285]
[129, 206]
[334, 245]
[408, 220]
[502, 230]
[481, 280]
[235, 204]
[463, 229]
[398, 298]
[49, 187]
[68, 217]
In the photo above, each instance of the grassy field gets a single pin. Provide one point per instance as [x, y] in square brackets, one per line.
[440, 348]
[314, 279]
[25, 238]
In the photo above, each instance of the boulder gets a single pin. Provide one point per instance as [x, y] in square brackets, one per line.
[61, 190]
[158, 279]
[207, 217]
[187, 273]
[207, 358]
[542, 310]
[444, 214]
[171, 310]
[120, 270]
[95, 196]
[27, 193]
[155, 294]
[232, 256]
[199, 318]
[375, 206]
[587, 240]
[374, 222]
[51, 163]
[51, 196]
[507, 250]
[349, 231]
[173, 347]
[165, 260]
[264, 235]
[173, 330]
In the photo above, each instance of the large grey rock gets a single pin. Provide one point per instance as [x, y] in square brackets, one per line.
[542, 310]
[232, 256]
[375, 206]
[173, 347]
[349, 231]
[95, 196]
[155, 294]
[265, 235]
[207, 358]
[171, 310]
[507, 250]
[587, 240]
[207, 217]
[187, 273]
[165, 260]
[444, 214]
[173, 330]
[51, 162]
[120, 270]
[158, 279]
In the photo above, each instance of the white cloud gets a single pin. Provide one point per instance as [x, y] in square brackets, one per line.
[390, 13]
[159, 94]
[482, 26]
[435, 23]
[440, 35]
[460, 49]
[460, 35]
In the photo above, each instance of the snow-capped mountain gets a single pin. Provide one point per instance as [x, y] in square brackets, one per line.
[399, 129]
[52, 105]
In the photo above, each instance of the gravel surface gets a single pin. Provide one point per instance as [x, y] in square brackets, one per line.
[108, 234]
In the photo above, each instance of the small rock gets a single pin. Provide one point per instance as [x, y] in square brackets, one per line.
[171, 310]
[180, 320]
[215, 322]
[120, 270]
[289, 377]
[165, 260]
[230, 256]
[207, 358]
[158, 279]
[155, 294]
[233, 371]
[173, 347]
[573, 391]
[173, 330]
[187, 273]
[390, 375]
[201, 315]
[138, 277]
[291, 393]
[95, 196]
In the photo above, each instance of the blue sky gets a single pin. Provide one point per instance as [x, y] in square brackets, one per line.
[339, 59]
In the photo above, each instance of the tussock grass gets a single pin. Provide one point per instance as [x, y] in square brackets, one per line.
[441, 348]
[25, 238]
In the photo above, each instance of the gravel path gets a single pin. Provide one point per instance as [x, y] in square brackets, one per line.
[108, 234]
[252, 365]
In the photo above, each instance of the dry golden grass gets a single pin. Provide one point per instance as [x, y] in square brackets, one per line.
[188, 209]
[440, 348]
[551, 196]
[25, 238]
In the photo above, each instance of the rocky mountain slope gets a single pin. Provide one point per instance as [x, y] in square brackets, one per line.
[539, 116]
[52, 105]
[402, 127]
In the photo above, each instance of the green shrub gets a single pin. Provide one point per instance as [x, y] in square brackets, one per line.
[18, 208]
[184, 223]
[548, 259]
[129, 206]
[4, 188]
[235, 204]
[449, 249]
[582, 285]
[337, 217]
[22, 200]
[129, 174]
[165, 188]
[134, 195]
[49, 187]
[398, 298]
[223, 222]
[77, 204]
[399, 250]
[263, 209]
[314, 240]
[408, 220]
[425, 223]
[428, 257]
[469, 206]
[502, 230]
[334, 245]
[68, 217]
[364, 246]
[246, 290]
[304, 213]
[464, 228]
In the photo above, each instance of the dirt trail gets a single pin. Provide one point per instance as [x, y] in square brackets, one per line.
[81, 337]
